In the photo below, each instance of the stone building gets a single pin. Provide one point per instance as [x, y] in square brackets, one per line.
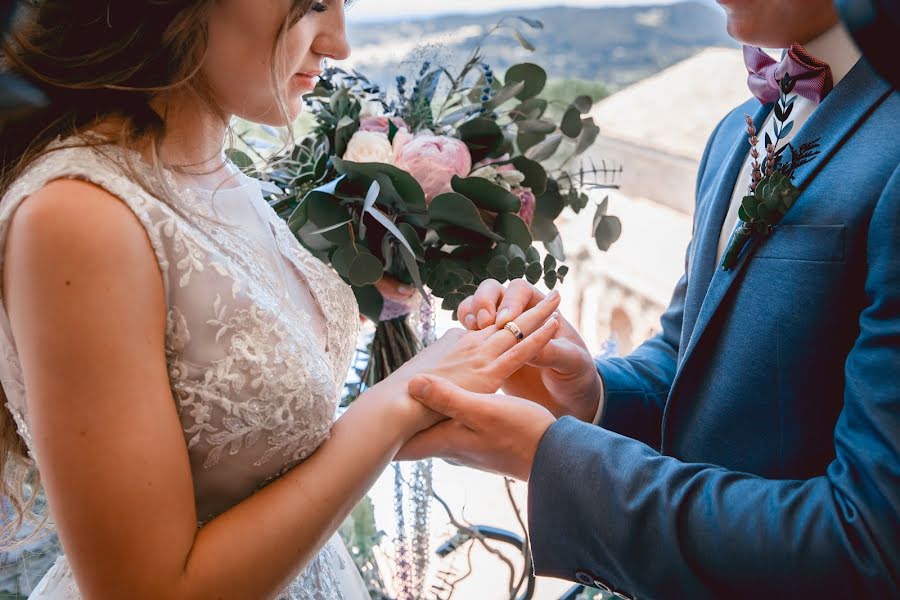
[657, 131]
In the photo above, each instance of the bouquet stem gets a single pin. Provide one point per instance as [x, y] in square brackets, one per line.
[394, 344]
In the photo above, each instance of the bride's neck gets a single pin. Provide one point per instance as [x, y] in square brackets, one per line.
[194, 138]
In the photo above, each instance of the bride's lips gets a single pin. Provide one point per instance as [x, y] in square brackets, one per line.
[307, 80]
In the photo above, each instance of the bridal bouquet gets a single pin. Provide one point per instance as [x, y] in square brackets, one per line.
[441, 183]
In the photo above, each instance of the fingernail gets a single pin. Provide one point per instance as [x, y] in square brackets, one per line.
[503, 314]
[484, 317]
[553, 296]
[418, 387]
[405, 289]
[470, 321]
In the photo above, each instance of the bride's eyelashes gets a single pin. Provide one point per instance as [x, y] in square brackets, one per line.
[319, 7]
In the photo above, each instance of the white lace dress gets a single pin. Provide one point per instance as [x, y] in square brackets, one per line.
[256, 387]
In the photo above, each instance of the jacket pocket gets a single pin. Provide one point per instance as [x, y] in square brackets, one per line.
[815, 243]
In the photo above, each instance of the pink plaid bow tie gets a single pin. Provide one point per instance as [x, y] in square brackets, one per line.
[813, 77]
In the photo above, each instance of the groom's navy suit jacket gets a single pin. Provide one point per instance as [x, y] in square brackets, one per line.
[753, 447]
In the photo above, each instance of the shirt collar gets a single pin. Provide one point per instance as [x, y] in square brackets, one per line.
[836, 48]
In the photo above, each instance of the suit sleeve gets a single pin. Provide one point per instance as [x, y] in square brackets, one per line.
[652, 526]
[637, 386]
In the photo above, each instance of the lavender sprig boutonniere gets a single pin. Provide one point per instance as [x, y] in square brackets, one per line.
[772, 192]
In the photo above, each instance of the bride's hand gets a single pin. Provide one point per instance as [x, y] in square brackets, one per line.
[480, 361]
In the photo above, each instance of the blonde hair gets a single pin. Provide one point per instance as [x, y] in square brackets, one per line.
[98, 61]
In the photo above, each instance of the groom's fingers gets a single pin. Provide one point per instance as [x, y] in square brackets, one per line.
[560, 355]
[446, 398]
[480, 310]
[441, 441]
[519, 296]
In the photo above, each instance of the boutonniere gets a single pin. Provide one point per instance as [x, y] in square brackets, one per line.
[772, 192]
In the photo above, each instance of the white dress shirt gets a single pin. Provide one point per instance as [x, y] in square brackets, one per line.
[834, 47]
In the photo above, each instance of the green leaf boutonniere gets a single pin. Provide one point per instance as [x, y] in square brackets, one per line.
[772, 193]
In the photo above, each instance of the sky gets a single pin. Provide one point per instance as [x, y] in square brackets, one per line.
[371, 10]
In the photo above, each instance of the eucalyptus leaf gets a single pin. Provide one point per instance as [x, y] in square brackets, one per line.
[534, 76]
[571, 123]
[342, 258]
[240, 159]
[523, 41]
[412, 267]
[543, 229]
[535, 174]
[608, 232]
[405, 184]
[526, 141]
[482, 136]
[544, 127]
[551, 279]
[506, 93]
[325, 210]
[365, 269]
[498, 268]
[370, 302]
[584, 104]
[514, 230]
[531, 109]
[486, 194]
[455, 209]
[545, 149]
[533, 23]
[533, 273]
[346, 128]
[589, 133]
[517, 268]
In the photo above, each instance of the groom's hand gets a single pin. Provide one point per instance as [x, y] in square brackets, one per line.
[562, 377]
[494, 433]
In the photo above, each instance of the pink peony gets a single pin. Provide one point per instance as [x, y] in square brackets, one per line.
[381, 124]
[529, 203]
[433, 161]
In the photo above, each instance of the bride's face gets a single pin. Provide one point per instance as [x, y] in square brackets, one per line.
[778, 23]
[242, 60]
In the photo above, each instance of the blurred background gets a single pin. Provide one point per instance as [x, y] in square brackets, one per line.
[662, 75]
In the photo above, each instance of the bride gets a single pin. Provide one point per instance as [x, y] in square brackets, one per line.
[172, 358]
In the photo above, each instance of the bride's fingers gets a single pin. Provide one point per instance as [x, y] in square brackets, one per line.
[528, 322]
[525, 351]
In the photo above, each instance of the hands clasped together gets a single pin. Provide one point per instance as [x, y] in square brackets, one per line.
[548, 374]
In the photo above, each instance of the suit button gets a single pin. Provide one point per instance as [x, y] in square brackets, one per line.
[584, 578]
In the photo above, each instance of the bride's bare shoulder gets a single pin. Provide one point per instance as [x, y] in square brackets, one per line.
[72, 230]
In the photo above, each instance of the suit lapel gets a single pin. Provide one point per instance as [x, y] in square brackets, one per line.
[710, 222]
[836, 118]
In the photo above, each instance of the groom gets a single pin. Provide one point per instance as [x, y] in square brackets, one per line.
[753, 447]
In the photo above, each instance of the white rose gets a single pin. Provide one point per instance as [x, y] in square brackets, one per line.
[369, 147]
[505, 178]
[371, 108]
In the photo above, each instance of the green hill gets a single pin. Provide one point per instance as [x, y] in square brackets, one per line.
[613, 45]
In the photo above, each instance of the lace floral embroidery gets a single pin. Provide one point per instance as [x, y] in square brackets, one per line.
[256, 393]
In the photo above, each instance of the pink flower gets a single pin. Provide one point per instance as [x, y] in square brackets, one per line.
[529, 203]
[381, 124]
[433, 161]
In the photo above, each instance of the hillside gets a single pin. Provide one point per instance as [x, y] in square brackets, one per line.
[613, 45]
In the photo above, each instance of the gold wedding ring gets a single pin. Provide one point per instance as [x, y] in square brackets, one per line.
[514, 329]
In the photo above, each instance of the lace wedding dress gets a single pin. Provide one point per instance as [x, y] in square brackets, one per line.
[256, 380]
